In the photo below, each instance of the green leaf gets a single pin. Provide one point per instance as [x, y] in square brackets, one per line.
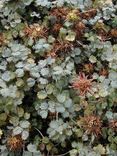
[27, 115]
[61, 97]
[100, 149]
[68, 103]
[71, 36]
[19, 72]
[92, 59]
[49, 88]
[42, 95]
[17, 130]
[45, 140]
[26, 153]
[44, 71]
[24, 124]
[58, 70]
[73, 152]
[6, 76]
[28, 2]
[14, 120]
[60, 109]
[32, 148]
[44, 114]
[20, 111]
[25, 135]
[44, 106]
[3, 117]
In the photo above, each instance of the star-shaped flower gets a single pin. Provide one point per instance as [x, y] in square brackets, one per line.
[82, 84]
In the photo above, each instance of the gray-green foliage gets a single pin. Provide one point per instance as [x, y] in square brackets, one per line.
[44, 48]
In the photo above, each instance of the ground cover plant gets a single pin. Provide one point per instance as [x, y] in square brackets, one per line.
[58, 78]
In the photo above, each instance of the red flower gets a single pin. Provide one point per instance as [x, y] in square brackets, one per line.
[113, 125]
[82, 83]
[15, 143]
[35, 31]
[91, 124]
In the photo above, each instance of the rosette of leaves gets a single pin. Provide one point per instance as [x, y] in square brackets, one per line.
[59, 130]
[16, 52]
[63, 104]
[41, 47]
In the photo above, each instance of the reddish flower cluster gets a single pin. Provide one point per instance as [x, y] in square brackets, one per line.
[113, 125]
[88, 14]
[82, 84]
[114, 32]
[59, 47]
[34, 31]
[60, 13]
[15, 143]
[92, 124]
[103, 72]
[2, 39]
[88, 68]
[79, 29]
[56, 28]
[52, 115]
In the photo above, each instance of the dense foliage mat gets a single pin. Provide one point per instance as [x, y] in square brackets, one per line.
[58, 78]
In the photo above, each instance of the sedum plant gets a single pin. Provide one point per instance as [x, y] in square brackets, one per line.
[58, 77]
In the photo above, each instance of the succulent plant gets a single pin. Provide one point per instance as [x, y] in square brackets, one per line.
[58, 77]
